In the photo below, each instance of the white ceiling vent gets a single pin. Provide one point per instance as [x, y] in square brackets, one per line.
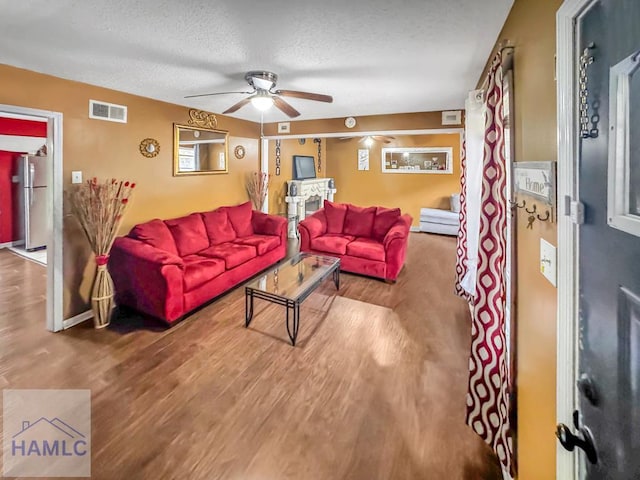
[452, 117]
[107, 111]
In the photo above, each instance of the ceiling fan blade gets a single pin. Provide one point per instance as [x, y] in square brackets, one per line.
[318, 97]
[383, 138]
[285, 107]
[210, 94]
[237, 106]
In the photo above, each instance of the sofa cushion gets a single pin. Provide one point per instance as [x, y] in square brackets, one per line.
[331, 243]
[189, 234]
[454, 202]
[155, 233]
[384, 220]
[199, 270]
[218, 226]
[358, 221]
[335, 213]
[240, 217]
[263, 243]
[233, 254]
[366, 248]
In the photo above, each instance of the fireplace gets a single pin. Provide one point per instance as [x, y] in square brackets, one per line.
[312, 204]
[309, 197]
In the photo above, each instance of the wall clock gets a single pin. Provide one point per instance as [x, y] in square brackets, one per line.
[239, 152]
[349, 122]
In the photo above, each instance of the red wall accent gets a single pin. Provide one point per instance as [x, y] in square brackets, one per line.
[7, 190]
[22, 128]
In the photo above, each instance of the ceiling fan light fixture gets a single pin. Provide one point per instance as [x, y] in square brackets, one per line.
[262, 101]
[263, 95]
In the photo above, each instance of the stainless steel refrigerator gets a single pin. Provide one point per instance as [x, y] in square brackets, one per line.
[32, 176]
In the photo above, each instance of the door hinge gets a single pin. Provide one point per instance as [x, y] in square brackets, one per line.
[574, 209]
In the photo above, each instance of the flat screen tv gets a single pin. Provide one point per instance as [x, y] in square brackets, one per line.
[303, 167]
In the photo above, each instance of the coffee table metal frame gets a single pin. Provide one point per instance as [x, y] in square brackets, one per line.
[290, 303]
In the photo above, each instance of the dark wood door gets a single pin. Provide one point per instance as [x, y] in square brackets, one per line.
[609, 257]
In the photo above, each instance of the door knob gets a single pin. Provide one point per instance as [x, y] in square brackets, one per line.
[584, 439]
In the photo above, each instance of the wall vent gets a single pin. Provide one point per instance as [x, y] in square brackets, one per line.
[107, 111]
[452, 117]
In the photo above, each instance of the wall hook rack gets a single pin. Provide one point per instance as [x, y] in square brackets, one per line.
[532, 212]
[533, 215]
[546, 217]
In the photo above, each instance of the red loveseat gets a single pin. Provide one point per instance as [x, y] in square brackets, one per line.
[168, 268]
[370, 241]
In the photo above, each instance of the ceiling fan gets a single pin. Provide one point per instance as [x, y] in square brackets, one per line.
[369, 139]
[263, 94]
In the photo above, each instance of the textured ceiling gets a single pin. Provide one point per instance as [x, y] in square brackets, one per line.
[373, 56]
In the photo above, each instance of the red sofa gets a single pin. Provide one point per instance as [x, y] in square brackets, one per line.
[370, 241]
[168, 268]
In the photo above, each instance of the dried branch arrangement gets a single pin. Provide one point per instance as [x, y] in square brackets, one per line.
[99, 208]
[257, 187]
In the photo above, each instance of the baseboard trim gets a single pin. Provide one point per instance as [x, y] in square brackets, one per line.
[9, 244]
[73, 321]
[414, 229]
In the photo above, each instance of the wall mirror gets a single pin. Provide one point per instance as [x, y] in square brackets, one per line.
[199, 151]
[417, 160]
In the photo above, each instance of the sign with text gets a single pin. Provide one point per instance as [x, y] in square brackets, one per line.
[537, 179]
[46, 433]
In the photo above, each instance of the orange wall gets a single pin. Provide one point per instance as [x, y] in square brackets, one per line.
[408, 191]
[530, 28]
[106, 149]
[289, 148]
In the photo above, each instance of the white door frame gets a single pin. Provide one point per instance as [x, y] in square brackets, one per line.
[568, 231]
[54, 316]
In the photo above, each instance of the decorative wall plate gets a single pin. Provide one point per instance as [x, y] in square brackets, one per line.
[349, 122]
[239, 152]
[149, 147]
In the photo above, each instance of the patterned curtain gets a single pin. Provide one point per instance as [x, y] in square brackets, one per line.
[487, 396]
[461, 245]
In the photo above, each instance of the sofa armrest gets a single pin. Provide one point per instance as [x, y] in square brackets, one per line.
[137, 250]
[398, 230]
[147, 278]
[265, 224]
[395, 246]
[315, 224]
[311, 227]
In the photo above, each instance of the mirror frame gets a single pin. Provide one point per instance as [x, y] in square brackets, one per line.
[176, 156]
[446, 150]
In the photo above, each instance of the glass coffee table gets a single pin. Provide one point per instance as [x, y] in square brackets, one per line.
[290, 283]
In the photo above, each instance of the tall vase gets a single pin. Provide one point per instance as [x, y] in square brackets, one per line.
[102, 295]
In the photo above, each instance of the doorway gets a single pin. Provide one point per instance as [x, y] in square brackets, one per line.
[52, 233]
[23, 186]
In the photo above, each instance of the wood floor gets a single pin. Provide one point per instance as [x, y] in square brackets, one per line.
[375, 388]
